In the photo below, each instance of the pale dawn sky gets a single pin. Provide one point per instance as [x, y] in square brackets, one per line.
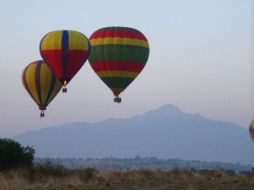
[201, 60]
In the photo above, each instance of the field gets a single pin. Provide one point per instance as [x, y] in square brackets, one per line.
[59, 178]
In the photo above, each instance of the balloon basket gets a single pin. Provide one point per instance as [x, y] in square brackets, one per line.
[42, 114]
[117, 100]
[64, 90]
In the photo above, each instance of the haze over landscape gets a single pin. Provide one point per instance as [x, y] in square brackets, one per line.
[166, 132]
[201, 60]
[186, 121]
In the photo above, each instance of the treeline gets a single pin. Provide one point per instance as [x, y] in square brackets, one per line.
[13, 155]
[136, 163]
[19, 171]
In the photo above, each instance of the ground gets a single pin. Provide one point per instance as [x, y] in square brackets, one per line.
[46, 178]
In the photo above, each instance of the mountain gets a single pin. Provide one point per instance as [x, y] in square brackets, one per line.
[166, 132]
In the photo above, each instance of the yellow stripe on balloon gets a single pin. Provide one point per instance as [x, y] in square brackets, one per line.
[31, 84]
[119, 41]
[45, 80]
[58, 85]
[52, 41]
[123, 74]
[252, 124]
[77, 41]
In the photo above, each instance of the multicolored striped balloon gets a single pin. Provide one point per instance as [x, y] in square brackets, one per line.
[251, 129]
[65, 52]
[41, 84]
[118, 55]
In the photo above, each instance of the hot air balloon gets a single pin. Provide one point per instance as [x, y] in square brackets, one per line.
[118, 55]
[41, 84]
[251, 129]
[65, 52]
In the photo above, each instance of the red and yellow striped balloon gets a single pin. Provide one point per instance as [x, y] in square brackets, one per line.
[251, 129]
[65, 52]
[40, 83]
[118, 55]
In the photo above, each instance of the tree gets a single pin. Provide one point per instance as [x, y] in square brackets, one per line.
[13, 155]
[252, 170]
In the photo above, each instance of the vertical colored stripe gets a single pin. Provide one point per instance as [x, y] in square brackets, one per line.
[31, 84]
[25, 82]
[77, 41]
[52, 84]
[55, 90]
[65, 47]
[45, 81]
[48, 44]
[37, 80]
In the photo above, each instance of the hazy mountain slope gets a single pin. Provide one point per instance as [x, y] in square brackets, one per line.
[166, 132]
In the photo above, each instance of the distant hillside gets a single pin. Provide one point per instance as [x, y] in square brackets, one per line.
[166, 132]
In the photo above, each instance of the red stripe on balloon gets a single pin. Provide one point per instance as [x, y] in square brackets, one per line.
[53, 58]
[75, 58]
[117, 66]
[114, 33]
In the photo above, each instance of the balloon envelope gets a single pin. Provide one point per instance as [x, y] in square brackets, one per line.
[118, 55]
[65, 52]
[40, 83]
[251, 129]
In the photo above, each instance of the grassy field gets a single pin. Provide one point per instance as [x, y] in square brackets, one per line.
[58, 178]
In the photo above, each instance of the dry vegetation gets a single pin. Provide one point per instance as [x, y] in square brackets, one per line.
[58, 178]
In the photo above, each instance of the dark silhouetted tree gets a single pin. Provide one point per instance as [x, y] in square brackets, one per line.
[13, 155]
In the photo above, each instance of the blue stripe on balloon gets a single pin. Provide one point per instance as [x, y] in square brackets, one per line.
[38, 81]
[65, 49]
[51, 88]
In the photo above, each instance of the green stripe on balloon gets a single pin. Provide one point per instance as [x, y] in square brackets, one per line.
[117, 82]
[128, 53]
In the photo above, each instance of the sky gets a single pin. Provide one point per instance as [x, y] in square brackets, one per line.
[201, 60]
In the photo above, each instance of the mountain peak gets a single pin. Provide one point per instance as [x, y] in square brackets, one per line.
[165, 111]
[169, 107]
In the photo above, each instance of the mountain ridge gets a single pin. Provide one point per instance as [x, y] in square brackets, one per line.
[166, 132]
